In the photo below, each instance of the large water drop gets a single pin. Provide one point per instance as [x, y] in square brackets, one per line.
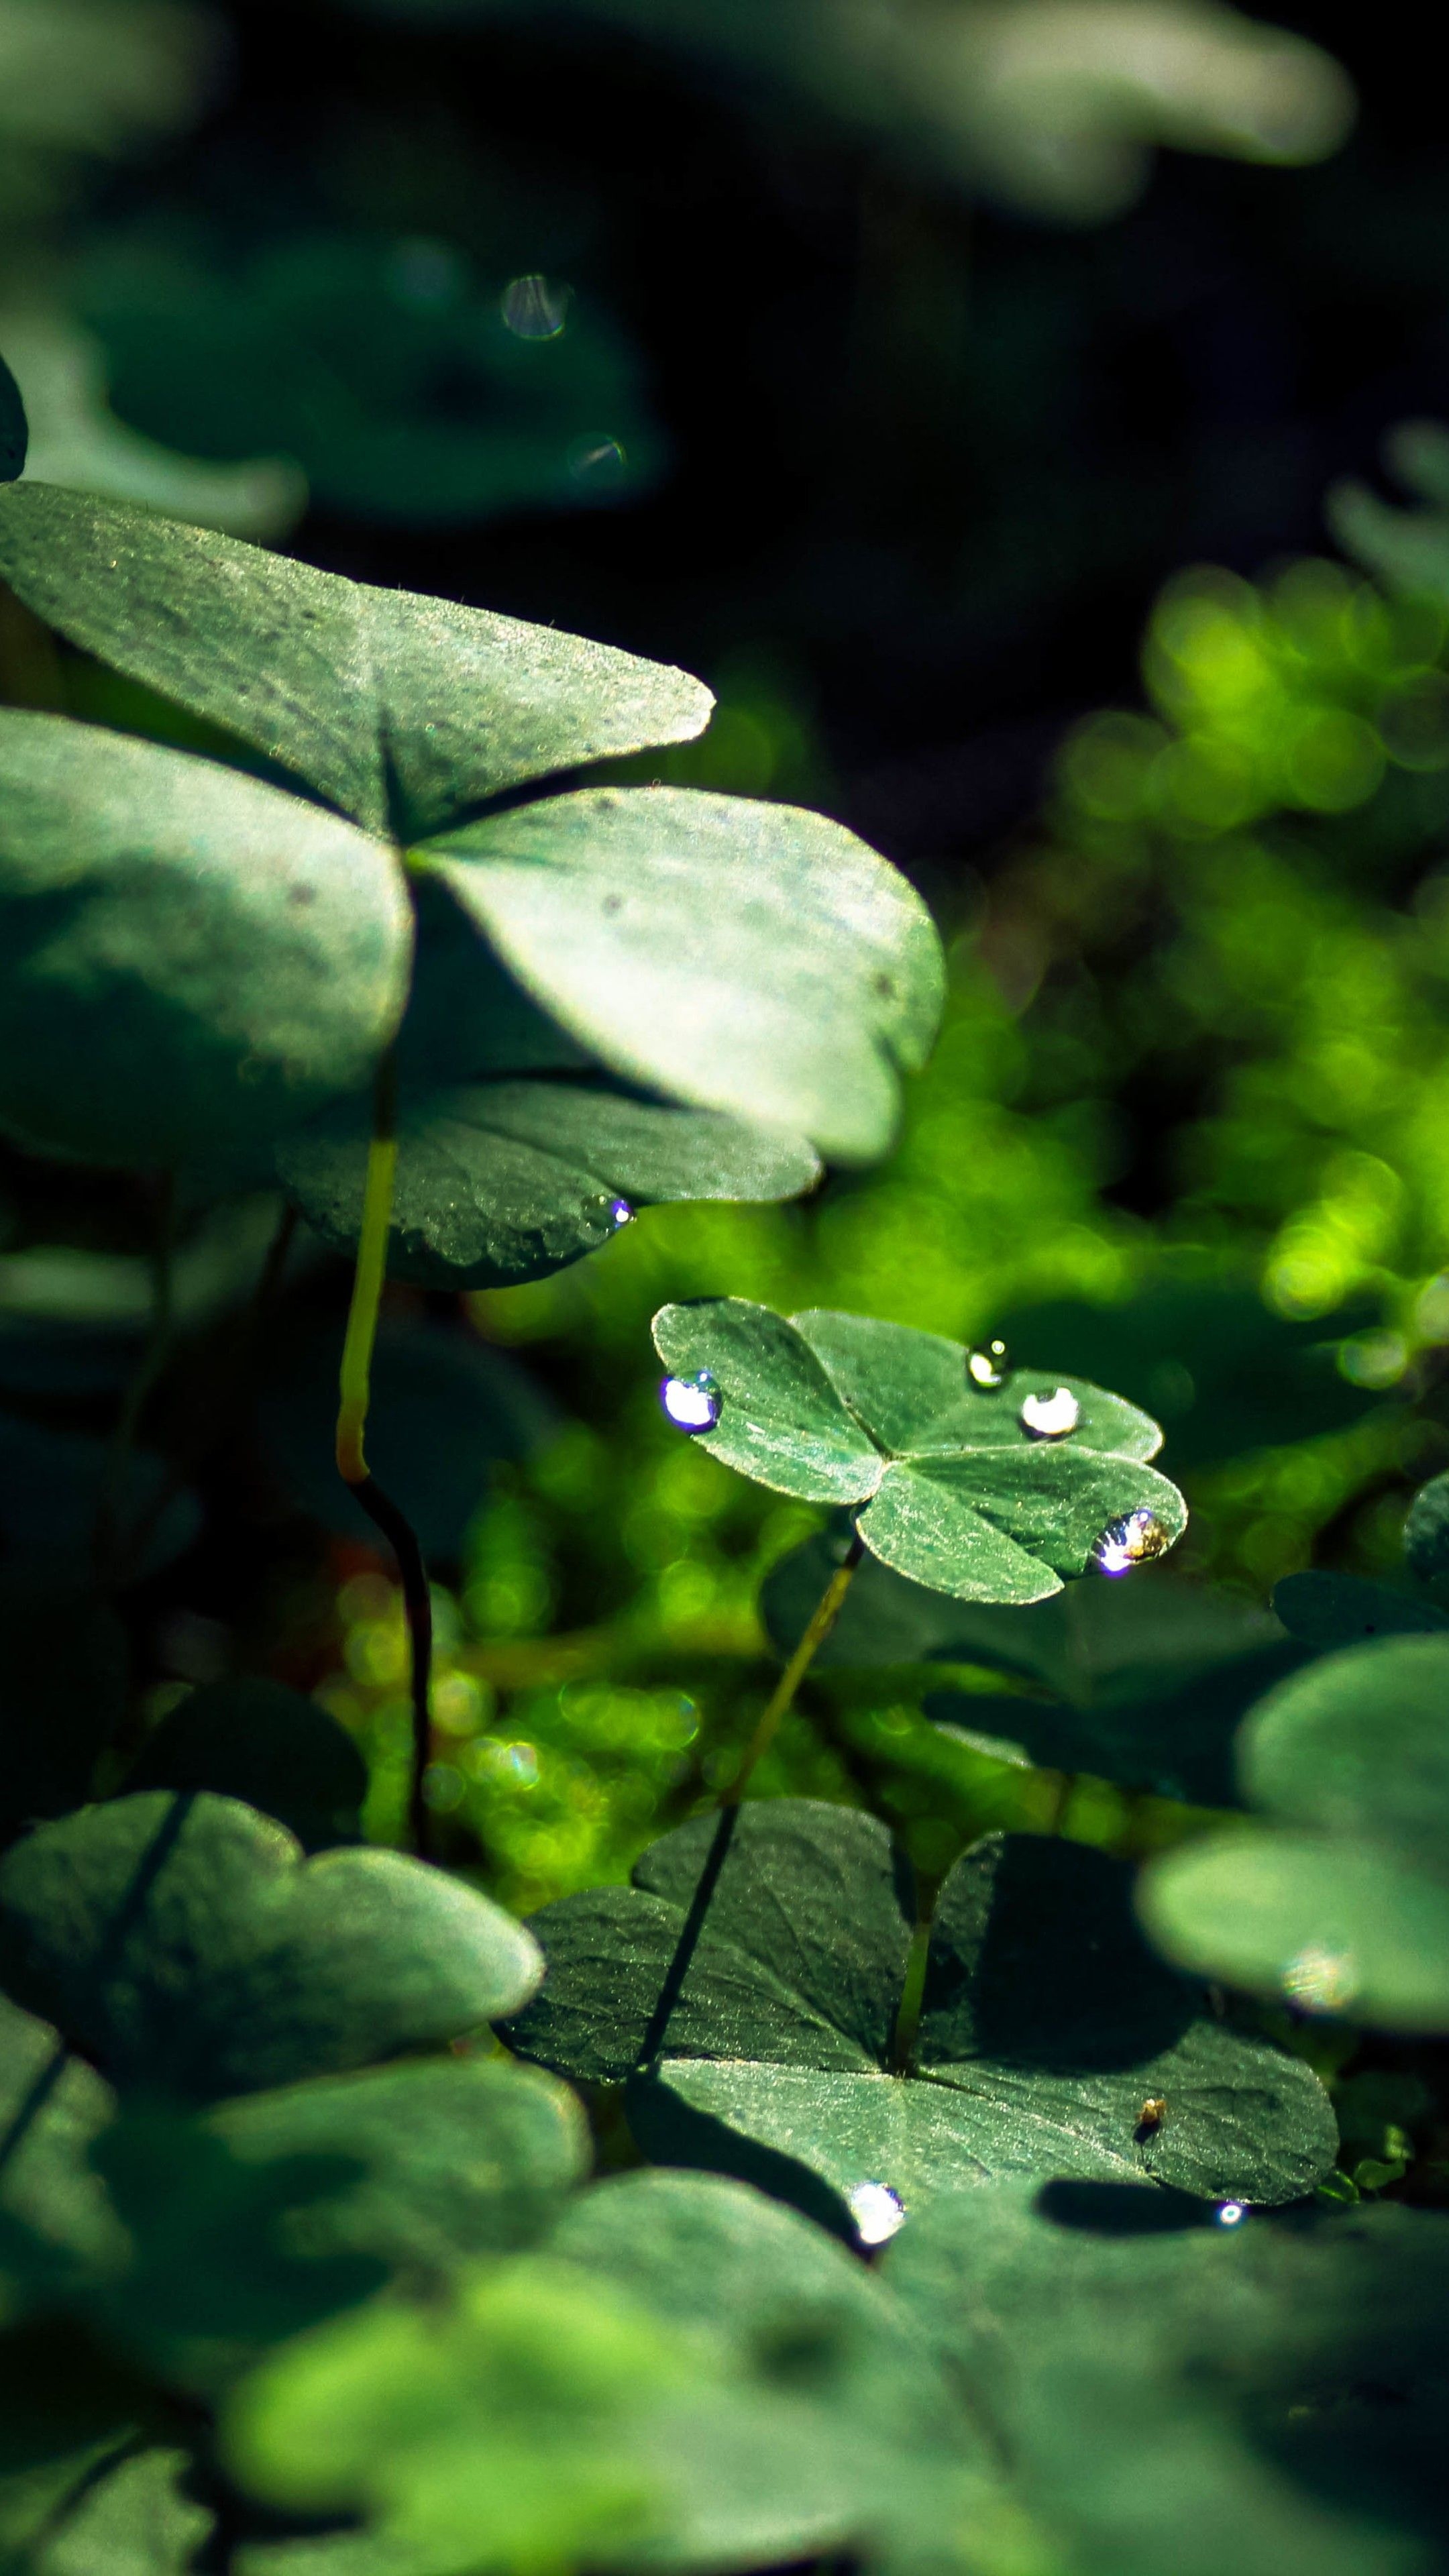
[989, 1367]
[692, 1403]
[1050, 1416]
[879, 2213]
[1134, 1540]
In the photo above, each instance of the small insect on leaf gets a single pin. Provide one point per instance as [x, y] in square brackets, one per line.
[1150, 2117]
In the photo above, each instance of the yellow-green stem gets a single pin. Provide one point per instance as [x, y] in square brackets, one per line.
[367, 1286]
[355, 1390]
[782, 1698]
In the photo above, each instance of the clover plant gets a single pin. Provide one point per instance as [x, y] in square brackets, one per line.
[786, 2206]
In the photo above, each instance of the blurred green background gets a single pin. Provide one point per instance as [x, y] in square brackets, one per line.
[990, 401]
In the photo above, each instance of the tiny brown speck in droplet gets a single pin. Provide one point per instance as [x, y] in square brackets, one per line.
[613, 903]
[302, 894]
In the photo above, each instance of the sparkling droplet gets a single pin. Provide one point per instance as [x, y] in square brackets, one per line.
[1135, 1540]
[879, 2213]
[988, 1368]
[597, 464]
[1230, 2213]
[533, 309]
[692, 1403]
[1320, 1979]
[621, 1212]
[1051, 1416]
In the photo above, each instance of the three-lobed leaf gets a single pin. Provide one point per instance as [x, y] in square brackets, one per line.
[951, 1485]
[1045, 2024]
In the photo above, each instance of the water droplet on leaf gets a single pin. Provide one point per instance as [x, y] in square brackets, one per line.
[879, 2213]
[692, 1403]
[1230, 2213]
[1134, 1540]
[989, 1367]
[621, 1212]
[1050, 1416]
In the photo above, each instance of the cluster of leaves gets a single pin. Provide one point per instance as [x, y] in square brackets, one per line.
[300, 2270]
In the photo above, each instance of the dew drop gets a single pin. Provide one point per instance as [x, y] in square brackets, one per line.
[1230, 2213]
[879, 2213]
[533, 309]
[692, 1403]
[989, 1367]
[1050, 1416]
[1134, 1540]
[621, 1212]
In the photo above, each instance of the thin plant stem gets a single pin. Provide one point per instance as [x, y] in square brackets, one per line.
[138, 1394]
[355, 1390]
[782, 1698]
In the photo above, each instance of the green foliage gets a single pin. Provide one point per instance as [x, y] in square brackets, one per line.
[966, 2229]
[1345, 1907]
[186, 1944]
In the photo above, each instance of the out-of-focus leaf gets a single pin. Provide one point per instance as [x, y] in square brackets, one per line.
[445, 1411]
[14, 427]
[183, 1942]
[1147, 1678]
[55, 2222]
[542, 2416]
[406, 388]
[1194, 2389]
[1406, 550]
[1054, 108]
[390, 706]
[1344, 1610]
[268, 1746]
[277, 2210]
[959, 1492]
[50, 1489]
[1045, 2027]
[748, 957]
[193, 960]
[1344, 1908]
[1208, 1359]
[508, 1181]
[64, 1664]
[78, 443]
